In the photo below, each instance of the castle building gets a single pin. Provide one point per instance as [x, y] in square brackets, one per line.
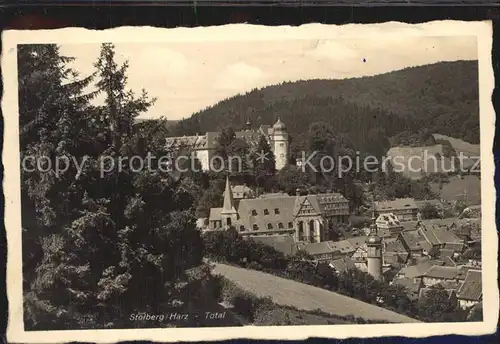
[374, 251]
[205, 146]
[305, 217]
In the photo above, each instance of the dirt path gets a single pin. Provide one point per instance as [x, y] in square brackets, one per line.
[302, 296]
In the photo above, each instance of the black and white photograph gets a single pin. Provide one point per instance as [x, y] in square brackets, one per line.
[204, 181]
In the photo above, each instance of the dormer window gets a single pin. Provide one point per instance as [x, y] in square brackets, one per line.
[254, 212]
[290, 225]
[242, 228]
[276, 211]
[280, 225]
[255, 227]
[269, 226]
[266, 212]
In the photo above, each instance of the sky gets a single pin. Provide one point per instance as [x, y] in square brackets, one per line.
[188, 77]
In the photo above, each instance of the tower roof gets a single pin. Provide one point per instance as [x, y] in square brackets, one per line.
[228, 206]
[279, 125]
[373, 238]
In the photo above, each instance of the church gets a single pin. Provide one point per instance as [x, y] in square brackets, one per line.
[205, 146]
[305, 217]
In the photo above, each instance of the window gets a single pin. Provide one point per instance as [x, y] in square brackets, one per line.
[282, 144]
[255, 227]
[254, 212]
[228, 221]
[266, 212]
[269, 226]
[276, 211]
[242, 228]
[280, 225]
[290, 225]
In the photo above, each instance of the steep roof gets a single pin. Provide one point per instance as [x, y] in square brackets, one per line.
[318, 248]
[349, 245]
[439, 235]
[408, 284]
[215, 214]
[343, 264]
[418, 270]
[228, 206]
[442, 272]
[412, 240]
[283, 204]
[472, 288]
[397, 204]
[409, 225]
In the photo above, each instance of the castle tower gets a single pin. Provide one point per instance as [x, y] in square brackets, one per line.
[374, 253]
[280, 142]
[229, 215]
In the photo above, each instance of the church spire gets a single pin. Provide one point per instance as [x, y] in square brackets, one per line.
[373, 225]
[228, 207]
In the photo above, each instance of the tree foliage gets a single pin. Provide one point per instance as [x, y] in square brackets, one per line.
[97, 245]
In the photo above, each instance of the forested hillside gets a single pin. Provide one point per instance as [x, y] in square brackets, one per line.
[442, 98]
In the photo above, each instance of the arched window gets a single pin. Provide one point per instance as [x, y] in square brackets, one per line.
[269, 226]
[255, 227]
[266, 212]
[228, 221]
[254, 212]
[290, 225]
[276, 211]
[280, 225]
[242, 228]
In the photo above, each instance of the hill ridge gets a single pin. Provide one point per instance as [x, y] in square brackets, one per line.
[442, 97]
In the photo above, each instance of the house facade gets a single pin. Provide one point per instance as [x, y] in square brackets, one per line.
[404, 208]
[305, 217]
[204, 147]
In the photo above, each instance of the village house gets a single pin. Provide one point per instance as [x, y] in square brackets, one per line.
[471, 291]
[389, 222]
[306, 217]
[342, 265]
[415, 272]
[329, 250]
[440, 274]
[404, 208]
[441, 237]
[204, 147]
[393, 253]
[415, 244]
[412, 288]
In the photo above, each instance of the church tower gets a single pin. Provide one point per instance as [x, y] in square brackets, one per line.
[229, 215]
[374, 252]
[280, 142]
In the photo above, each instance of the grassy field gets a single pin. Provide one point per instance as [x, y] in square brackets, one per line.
[470, 186]
[305, 297]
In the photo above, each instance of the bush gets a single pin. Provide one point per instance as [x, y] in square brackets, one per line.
[244, 304]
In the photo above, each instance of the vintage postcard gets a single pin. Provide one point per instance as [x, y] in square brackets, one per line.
[276, 182]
